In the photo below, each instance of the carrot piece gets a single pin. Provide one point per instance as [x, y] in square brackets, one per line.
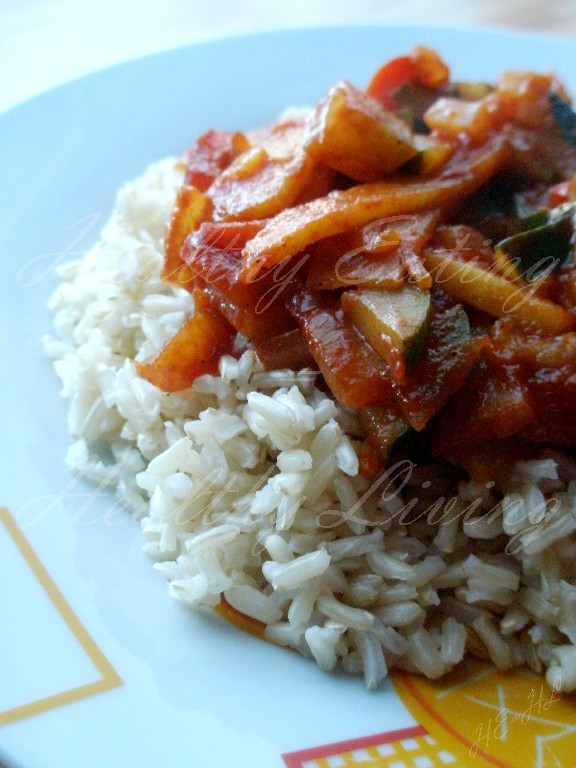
[212, 152]
[453, 117]
[294, 229]
[240, 620]
[193, 351]
[379, 255]
[192, 207]
[266, 178]
[339, 262]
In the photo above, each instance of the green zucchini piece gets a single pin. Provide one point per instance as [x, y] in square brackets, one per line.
[432, 154]
[538, 218]
[387, 432]
[395, 324]
[545, 244]
[564, 116]
[455, 326]
[473, 91]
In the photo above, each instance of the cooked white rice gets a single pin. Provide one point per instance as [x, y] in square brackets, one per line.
[247, 487]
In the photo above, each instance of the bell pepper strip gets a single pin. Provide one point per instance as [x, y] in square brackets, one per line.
[493, 404]
[212, 255]
[286, 351]
[195, 350]
[389, 78]
[355, 374]
[294, 229]
[486, 461]
[559, 193]
[553, 393]
[370, 463]
[421, 67]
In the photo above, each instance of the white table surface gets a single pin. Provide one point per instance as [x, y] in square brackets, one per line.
[47, 42]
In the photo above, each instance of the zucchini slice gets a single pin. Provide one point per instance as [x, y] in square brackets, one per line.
[544, 245]
[395, 324]
[386, 431]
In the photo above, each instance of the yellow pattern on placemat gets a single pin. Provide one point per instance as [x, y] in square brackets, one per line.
[491, 718]
[109, 677]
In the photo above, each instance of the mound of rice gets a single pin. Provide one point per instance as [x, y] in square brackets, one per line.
[247, 488]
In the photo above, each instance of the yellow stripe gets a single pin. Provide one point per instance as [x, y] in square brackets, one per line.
[110, 678]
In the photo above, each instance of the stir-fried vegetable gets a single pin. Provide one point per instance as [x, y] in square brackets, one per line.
[395, 324]
[413, 241]
[543, 245]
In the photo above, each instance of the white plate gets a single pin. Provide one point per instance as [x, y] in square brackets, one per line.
[98, 667]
